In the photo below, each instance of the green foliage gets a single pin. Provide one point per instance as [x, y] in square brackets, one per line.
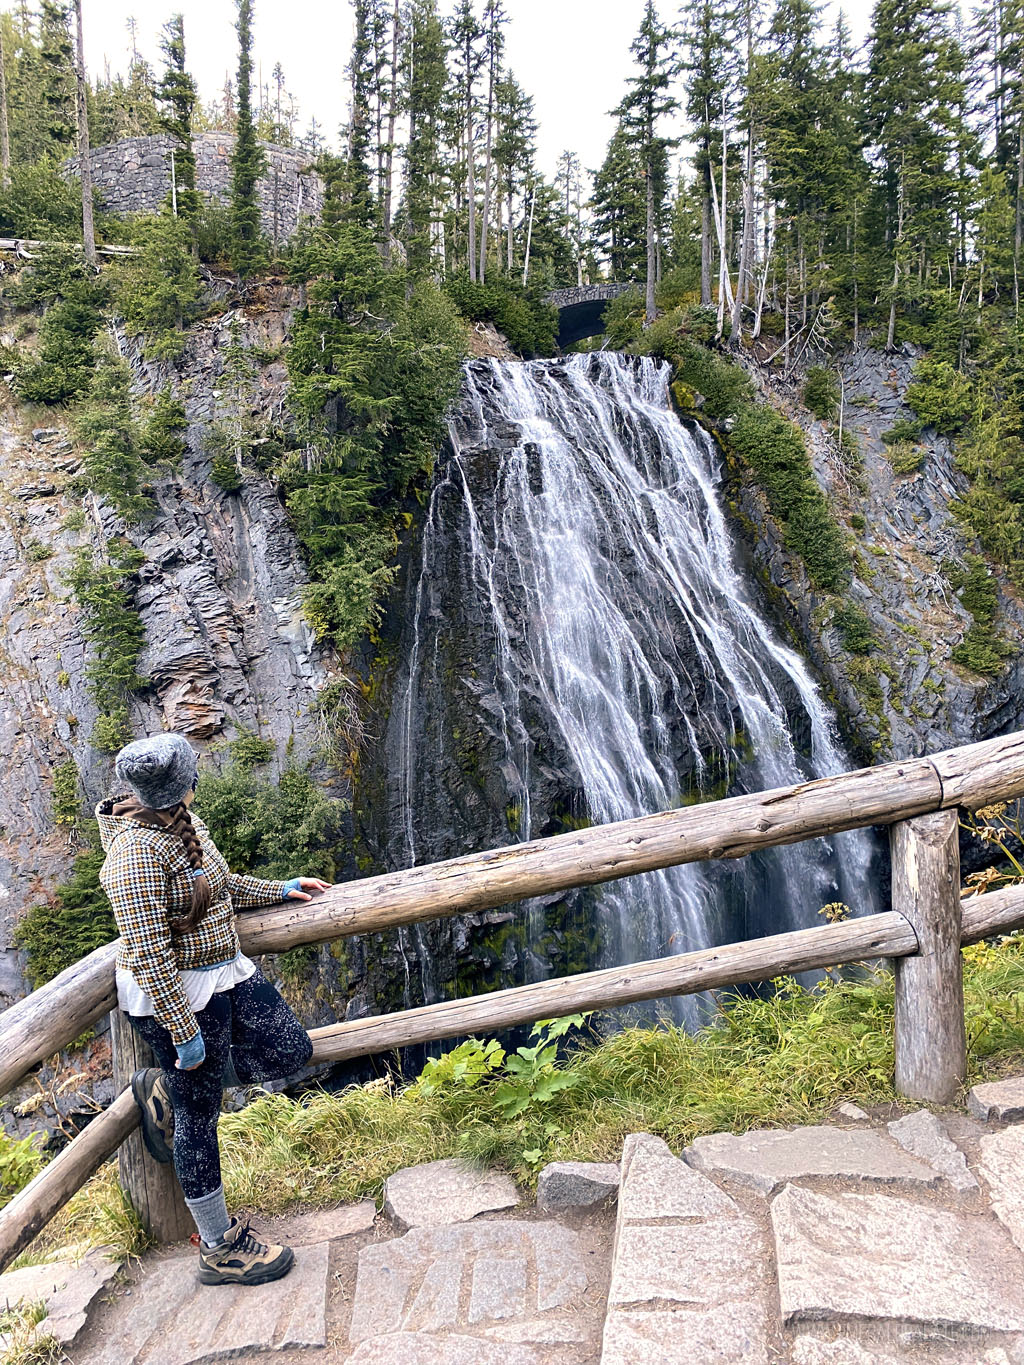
[248, 250]
[940, 395]
[854, 628]
[774, 449]
[624, 320]
[532, 1076]
[164, 431]
[821, 393]
[223, 470]
[369, 401]
[286, 830]
[76, 920]
[20, 1162]
[466, 1065]
[213, 227]
[530, 326]
[158, 289]
[724, 387]
[905, 457]
[37, 551]
[67, 802]
[74, 299]
[249, 751]
[857, 521]
[105, 427]
[983, 649]
[41, 204]
[113, 629]
[902, 432]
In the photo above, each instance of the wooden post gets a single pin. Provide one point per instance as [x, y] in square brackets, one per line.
[931, 1044]
[153, 1188]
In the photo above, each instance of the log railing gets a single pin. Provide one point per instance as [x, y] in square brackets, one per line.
[918, 798]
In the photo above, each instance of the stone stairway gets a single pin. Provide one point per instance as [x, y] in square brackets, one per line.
[870, 1240]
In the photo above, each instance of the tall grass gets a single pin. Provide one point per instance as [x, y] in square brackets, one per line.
[788, 1058]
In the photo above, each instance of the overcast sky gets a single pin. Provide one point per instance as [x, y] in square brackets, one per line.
[571, 55]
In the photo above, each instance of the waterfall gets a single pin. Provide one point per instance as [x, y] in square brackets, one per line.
[582, 645]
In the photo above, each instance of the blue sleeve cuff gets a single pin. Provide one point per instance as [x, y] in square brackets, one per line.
[293, 885]
[191, 1053]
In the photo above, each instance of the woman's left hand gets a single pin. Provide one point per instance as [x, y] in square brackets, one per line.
[309, 887]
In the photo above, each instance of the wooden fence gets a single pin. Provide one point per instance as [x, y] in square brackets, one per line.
[920, 799]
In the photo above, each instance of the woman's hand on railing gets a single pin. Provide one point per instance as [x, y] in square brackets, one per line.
[303, 888]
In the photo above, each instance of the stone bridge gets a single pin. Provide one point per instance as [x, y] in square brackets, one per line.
[581, 309]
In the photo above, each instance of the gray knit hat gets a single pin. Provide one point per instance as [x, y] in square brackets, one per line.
[159, 770]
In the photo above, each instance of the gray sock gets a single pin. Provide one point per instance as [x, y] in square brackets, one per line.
[211, 1215]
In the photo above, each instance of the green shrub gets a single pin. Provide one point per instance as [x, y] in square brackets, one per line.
[624, 320]
[855, 630]
[983, 649]
[529, 324]
[164, 431]
[37, 551]
[158, 289]
[74, 299]
[774, 449]
[821, 393]
[105, 426]
[285, 830]
[857, 521]
[40, 203]
[66, 800]
[902, 432]
[941, 395]
[724, 387]
[20, 1162]
[75, 921]
[213, 233]
[905, 458]
[249, 751]
[223, 469]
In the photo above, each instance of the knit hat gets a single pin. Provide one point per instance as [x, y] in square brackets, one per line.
[159, 769]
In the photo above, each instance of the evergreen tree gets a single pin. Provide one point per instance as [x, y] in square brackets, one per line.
[705, 62]
[247, 161]
[647, 102]
[105, 426]
[360, 193]
[514, 150]
[177, 94]
[468, 58]
[620, 208]
[427, 76]
[56, 69]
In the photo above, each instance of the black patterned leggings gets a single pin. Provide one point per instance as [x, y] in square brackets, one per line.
[251, 1026]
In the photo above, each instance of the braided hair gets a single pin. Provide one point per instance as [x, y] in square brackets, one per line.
[176, 820]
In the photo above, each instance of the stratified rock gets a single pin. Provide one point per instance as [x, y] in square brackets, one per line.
[923, 1135]
[451, 1278]
[576, 1184]
[656, 1184]
[880, 1257]
[175, 1320]
[442, 1192]
[1002, 1155]
[68, 1289]
[768, 1158]
[1002, 1100]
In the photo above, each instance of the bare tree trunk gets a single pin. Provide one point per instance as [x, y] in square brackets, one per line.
[510, 231]
[529, 237]
[891, 334]
[746, 248]
[389, 157]
[84, 166]
[723, 260]
[1018, 214]
[706, 295]
[5, 137]
[652, 265]
[486, 211]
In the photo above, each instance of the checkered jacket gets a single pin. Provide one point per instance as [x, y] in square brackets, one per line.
[147, 877]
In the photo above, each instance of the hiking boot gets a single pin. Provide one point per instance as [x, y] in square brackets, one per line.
[150, 1091]
[242, 1259]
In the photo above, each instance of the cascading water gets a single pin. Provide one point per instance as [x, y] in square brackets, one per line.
[582, 647]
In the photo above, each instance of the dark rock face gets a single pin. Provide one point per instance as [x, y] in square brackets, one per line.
[914, 698]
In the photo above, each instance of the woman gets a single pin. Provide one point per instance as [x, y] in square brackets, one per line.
[188, 990]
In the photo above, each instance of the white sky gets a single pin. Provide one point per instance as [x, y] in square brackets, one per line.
[571, 55]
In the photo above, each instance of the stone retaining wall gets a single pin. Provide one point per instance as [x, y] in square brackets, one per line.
[134, 176]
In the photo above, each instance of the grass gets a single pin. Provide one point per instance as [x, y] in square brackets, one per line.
[22, 1344]
[787, 1059]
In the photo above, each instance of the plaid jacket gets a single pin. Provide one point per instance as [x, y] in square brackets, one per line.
[148, 880]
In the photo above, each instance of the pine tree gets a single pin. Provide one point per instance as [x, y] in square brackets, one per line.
[360, 193]
[247, 161]
[495, 19]
[468, 54]
[514, 150]
[620, 208]
[84, 163]
[705, 62]
[645, 105]
[57, 92]
[177, 93]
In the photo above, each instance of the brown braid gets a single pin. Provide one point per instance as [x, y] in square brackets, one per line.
[177, 820]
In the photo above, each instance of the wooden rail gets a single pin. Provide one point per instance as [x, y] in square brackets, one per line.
[919, 798]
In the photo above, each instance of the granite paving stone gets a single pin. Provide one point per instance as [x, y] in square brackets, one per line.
[768, 1158]
[1001, 1163]
[884, 1258]
[656, 1184]
[923, 1135]
[576, 1184]
[418, 1348]
[1002, 1100]
[702, 1264]
[68, 1288]
[417, 1281]
[175, 1320]
[443, 1192]
[733, 1334]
